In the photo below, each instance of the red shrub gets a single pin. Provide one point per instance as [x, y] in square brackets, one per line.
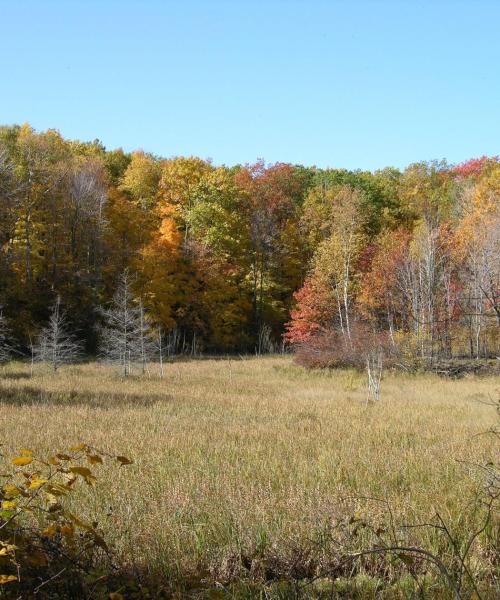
[330, 349]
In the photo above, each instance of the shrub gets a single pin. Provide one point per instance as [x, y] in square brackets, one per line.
[332, 349]
[44, 547]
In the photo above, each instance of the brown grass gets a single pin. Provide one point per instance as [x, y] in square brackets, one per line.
[256, 457]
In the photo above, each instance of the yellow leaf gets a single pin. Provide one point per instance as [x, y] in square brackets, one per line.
[51, 498]
[50, 531]
[8, 505]
[94, 459]
[56, 489]
[8, 547]
[123, 460]
[36, 483]
[26, 452]
[78, 448]
[7, 579]
[11, 491]
[20, 461]
[79, 523]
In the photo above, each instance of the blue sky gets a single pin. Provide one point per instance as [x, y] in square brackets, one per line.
[355, 84]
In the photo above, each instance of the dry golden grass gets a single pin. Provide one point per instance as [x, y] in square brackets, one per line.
[248, 456]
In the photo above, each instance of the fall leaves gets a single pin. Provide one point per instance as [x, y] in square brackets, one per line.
[219, 253]
[40, 538]
[430, 277]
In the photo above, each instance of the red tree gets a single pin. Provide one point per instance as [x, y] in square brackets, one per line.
[312, 314]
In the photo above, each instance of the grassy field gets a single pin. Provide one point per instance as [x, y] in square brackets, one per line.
[257, 471]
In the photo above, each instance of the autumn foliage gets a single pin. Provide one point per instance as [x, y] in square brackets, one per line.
[218, 255]
[46, 550]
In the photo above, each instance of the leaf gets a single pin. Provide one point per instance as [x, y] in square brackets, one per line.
[20, 461]
[85, 473]
[9, 547]
[94, 459]
[7, 514]
[123, 460]
[26, 452]
[79, 523]
[11, 491]
[68, 530]
[408, 560]
[99, 541]
[50, 531]
[7, 579]
[37, 483]
[78, 448]
[37, 558]
[115, 596]
[56, 489]
[8, 505]
[51, 498]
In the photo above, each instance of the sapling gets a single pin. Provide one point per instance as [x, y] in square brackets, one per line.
[127, 335]
[56, 345]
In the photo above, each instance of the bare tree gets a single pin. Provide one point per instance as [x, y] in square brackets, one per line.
[421, 279]
[5, 346]
[161, 348]
[127, 336]
[56, 345]
[347, 228]
[265, 344]
[374, 368]
[147, 346]
[87, 199]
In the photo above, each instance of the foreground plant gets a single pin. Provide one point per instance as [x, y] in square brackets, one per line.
[454, 562]
[43, 544]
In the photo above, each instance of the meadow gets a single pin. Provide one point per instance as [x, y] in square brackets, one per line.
[252, 477]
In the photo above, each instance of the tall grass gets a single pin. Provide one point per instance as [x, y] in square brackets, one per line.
[247, 468]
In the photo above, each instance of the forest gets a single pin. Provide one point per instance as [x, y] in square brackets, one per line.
[242, 476]
[250, 258]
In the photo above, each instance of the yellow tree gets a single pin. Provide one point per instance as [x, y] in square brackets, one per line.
[141, 179]
[219, 249]
[164, 277]
[477, 249]
[129, 230]
[180, 178]
[40, 168]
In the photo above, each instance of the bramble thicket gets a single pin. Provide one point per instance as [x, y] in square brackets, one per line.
[250, 257]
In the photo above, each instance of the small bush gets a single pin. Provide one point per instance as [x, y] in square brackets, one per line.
[44, 547]
[332, 349]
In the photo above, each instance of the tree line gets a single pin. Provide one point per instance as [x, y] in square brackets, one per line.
[226, 259]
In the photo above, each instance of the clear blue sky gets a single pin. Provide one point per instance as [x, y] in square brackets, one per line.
[356, 84]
